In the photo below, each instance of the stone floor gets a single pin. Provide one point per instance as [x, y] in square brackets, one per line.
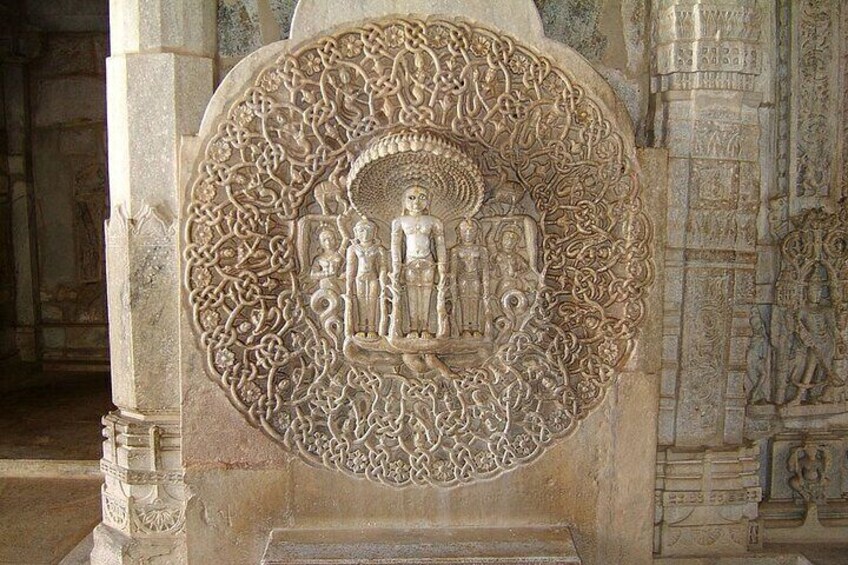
[41, 520]
[50, 443]
[57, 420]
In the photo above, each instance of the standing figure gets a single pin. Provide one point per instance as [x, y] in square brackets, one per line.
[366, 269]
[418, 263]
[327, 265]
[817, 331]
[469, 261]
[510, 269]
[759, 383]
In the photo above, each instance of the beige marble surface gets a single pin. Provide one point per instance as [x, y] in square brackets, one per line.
[41, 520]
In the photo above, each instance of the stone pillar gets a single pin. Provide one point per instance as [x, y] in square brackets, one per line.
[709, 56]
[159, 81]
[21, 198]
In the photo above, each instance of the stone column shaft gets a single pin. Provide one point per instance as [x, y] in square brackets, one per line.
[159, 81]
[709, 58]
[22, 211]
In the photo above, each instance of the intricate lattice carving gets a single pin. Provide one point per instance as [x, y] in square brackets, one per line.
[271, 235]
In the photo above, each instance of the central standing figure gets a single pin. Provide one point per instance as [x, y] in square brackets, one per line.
[418, 264]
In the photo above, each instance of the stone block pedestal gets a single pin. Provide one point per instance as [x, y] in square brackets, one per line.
[501, 546]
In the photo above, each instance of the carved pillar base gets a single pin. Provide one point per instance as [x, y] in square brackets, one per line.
[144, 493]
[809, 485]
[112, 547]
[706, 502]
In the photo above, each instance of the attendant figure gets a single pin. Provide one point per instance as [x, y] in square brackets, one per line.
[759, 384]
[469, 262]
[418, 257]
[509, 268]
[366, 268]
[817, 331]
[327, 265]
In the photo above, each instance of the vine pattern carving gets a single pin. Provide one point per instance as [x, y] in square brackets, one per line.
[278, 160]
[816, 101]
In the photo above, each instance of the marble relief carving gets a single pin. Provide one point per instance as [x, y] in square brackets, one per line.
[415, 252]
[809, 466]
[800, 357]
[816, 105]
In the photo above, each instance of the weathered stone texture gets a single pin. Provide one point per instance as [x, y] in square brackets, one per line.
[165, 48]
[7, 259]
[745, 101]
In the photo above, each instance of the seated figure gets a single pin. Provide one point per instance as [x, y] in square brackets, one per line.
[510, 269]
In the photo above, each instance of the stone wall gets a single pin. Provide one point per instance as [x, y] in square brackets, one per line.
[68, 95]
[583, 481]
[17, 321]
[7, 259]
[798, 360]
[748, 98]
[53, 197]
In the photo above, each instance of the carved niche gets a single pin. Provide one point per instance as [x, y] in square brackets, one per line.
[415, 252]
[802, 359]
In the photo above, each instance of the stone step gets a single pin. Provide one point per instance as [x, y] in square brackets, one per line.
[49, 469]
[501, 546]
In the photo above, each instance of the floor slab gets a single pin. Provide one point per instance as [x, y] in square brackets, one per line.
[57, 420]
[41, 520]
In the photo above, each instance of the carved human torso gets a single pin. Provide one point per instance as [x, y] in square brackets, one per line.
[418, 233]
[326, 268]
[368, 258]
[470, 268]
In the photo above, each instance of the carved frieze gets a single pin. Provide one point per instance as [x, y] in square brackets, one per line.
[143, 494]
[817, 99]
[809, 467]
[706, 501]
[707, 45]
[415, 252]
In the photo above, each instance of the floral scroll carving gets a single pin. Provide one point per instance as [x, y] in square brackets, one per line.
[432, 341]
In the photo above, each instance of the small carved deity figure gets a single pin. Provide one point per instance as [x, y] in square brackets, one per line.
[809, 465]
[327, 265]
[418, 264]
[759, 385]
[817, 331]
[469, 281]
[366, 269]
[509, 267]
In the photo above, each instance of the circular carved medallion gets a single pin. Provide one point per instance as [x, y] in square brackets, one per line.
[415, 252]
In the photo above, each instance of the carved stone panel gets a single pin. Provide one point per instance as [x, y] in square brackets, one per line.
[415, 252]
[799, 358]
[816, 67]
